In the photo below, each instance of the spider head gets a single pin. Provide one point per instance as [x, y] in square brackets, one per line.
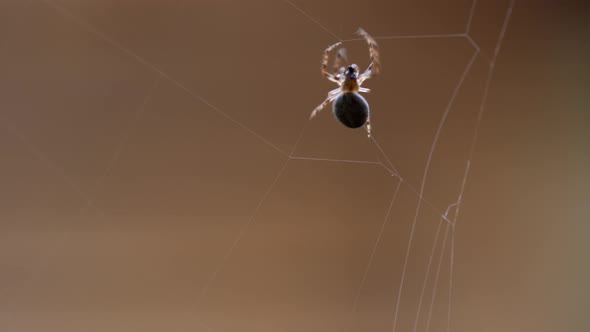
[352, 71]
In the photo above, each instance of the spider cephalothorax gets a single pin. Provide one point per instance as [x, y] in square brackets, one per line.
[350, 81]
[349, 107]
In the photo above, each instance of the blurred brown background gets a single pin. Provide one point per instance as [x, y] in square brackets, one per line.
[159, 172]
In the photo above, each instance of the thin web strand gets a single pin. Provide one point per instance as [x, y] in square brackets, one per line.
[50, 164]
[409, 186]
[90, 202]
[474, 142]
[443, 120]
[313, 19]
[374, 250]
[430, 260]
[476, 46]
[451, 266]
[91, 29]
[389, 170]
[240, 234]
[424, 177]
[127, 135]
[296, 144]
[470, 18]
[245, 227]
[451, 258]
[406, 184]
[436, 278]
[431, 36]
[427, 275]
[60, 172]
[503, 30]
[386, 157]
[337, 160]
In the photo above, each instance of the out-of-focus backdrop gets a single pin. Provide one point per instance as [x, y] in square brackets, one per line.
[158, 170]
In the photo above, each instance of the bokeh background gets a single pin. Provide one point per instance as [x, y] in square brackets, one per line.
[159, 172]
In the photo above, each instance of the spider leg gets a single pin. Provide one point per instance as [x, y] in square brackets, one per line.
[334, 92]
[368, 127]
[331, 96]
[365, 90]
[328, 75]
[375, 67]
[340, 60]
[365, 76]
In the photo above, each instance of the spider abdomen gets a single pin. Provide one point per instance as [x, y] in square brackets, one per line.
[351, 109]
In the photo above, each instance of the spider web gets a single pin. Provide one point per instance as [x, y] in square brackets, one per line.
[211, 202]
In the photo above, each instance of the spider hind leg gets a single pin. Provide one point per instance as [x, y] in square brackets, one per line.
[368, 127]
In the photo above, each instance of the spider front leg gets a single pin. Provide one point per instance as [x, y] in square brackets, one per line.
[338, 62]
[366, 74]
[375, 67]
[328, 75]
[331, 96]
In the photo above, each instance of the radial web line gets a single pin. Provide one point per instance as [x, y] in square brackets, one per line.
[472, 147]
[443, 121]
[50, 164]
[59, 172]
[405, 183]
[386, 158]
[409, 186]
[389, 170]
[296, 144]
[424, 177]
[489, 80]
[91, 29]
[436, 277]
[241, 233]
[127, 135]
[89, 201]
[313, 19]
[425, 201]
[451, 264]
[338, 160]
[430, 259]
[475, 46]
[250, 220]
[375, 246]
[432, 36]
[427, 275]
[470, 18]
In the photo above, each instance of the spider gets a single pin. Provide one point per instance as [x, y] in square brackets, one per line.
[349, 107]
